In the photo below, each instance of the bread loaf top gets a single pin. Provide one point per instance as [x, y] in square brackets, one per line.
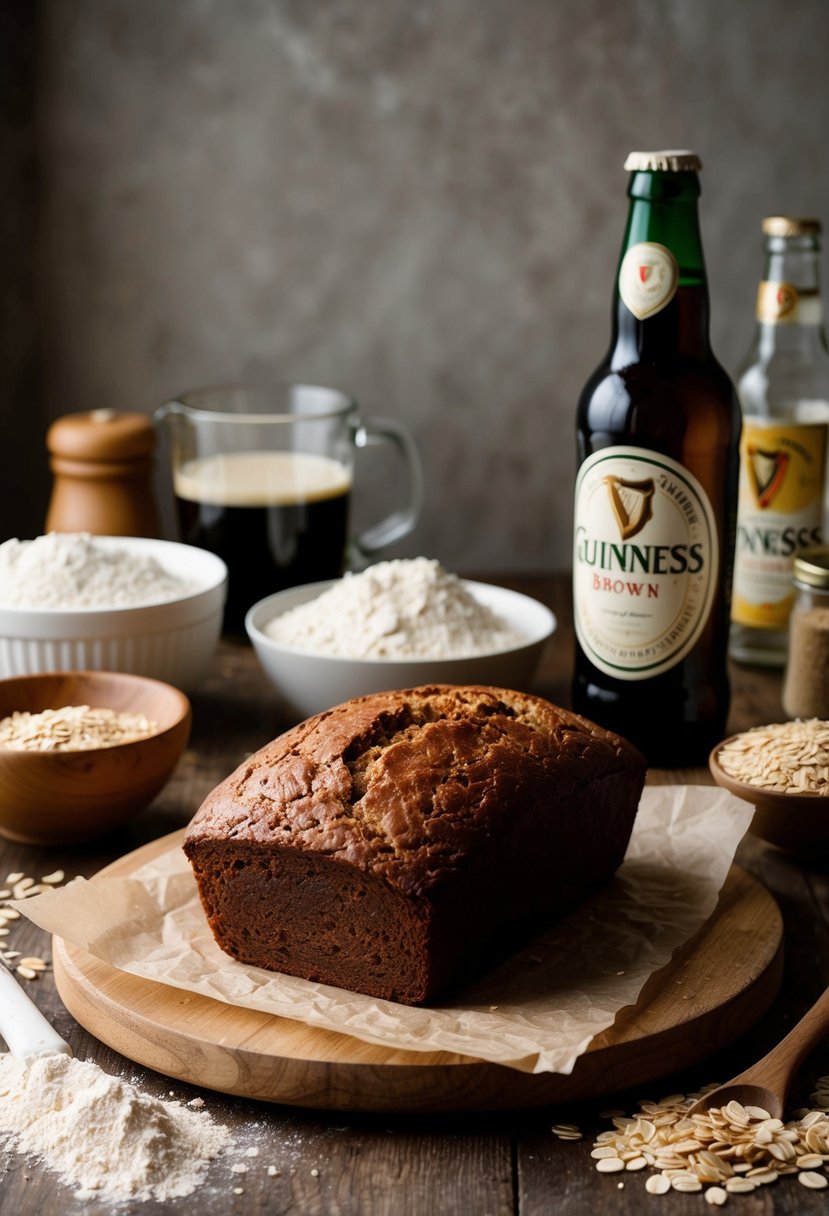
[406, 784]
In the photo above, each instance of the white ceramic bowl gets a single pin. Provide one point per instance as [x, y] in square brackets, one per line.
[173, 640]
[309, 683]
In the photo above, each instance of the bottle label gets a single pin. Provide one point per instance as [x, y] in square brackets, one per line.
[648, 278]
[779, 511]
[645, 562]
[782, 304]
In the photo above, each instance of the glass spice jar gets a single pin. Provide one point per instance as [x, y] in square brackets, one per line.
[806, 683]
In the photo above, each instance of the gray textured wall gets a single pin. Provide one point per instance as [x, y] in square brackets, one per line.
[419, 201]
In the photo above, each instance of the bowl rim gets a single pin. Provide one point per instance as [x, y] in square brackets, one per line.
[258, 637]
[184, 715]
[753, 793]
[121, 612]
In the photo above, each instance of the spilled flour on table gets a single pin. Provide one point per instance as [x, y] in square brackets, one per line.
[100, 1134]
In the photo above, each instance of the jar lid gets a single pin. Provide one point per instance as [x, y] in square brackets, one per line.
[101, 435]
[791, 225]
[669, 161]
[811, 566]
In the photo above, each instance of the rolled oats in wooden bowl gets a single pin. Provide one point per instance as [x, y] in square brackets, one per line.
[783, 769]
[81, 752]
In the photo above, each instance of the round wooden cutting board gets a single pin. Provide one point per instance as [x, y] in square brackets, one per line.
[713, 989]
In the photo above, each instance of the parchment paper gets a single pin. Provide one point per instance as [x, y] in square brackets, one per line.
[536, 1013]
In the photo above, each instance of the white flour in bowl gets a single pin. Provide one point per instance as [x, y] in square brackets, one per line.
[409, 608]
[73, 570]
[101, 1135]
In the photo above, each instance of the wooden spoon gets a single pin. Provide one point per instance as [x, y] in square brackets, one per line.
[766, 1083]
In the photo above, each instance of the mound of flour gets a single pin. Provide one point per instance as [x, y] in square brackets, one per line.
[74, 570]
[101, 1135]
[409, 608]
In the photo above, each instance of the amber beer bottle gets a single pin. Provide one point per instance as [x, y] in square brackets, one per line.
[658, 445]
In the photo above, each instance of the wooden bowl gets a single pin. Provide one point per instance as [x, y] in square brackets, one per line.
[796, 822]
[65, 797]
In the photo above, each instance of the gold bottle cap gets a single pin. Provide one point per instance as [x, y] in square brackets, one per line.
[670, 161]
[790, 225]
[811, 566]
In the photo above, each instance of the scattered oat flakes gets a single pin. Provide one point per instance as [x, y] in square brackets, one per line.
[733, 1150]
[762, 1176]
[740, 1186]
[809, 1161]
[53, 879]
[716, 1196]
[33, 963]
[686, 1184]
[610, 1165]
[567, 1131]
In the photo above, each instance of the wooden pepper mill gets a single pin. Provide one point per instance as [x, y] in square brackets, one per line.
[102, 465]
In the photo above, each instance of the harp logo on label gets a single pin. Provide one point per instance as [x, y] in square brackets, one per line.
[648, 278]
[632, 503]
[780, 511]
[646, 560]
[766, 471]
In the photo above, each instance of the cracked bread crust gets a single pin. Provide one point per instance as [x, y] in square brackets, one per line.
[385, 845]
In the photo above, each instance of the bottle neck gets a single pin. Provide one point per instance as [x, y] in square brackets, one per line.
[663, 212]
[789, 305]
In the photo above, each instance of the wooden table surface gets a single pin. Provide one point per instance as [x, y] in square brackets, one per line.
[333, 1163]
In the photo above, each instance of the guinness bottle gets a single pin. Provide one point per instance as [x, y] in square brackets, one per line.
[658, 431]
[783, 386]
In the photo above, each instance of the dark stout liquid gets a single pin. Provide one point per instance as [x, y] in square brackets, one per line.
[277, 519]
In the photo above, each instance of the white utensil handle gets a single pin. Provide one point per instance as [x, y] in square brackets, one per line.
[22, 1025]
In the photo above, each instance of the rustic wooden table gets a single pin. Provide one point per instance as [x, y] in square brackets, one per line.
[332, 1163]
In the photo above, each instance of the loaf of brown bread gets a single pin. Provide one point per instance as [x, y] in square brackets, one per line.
[386, 845]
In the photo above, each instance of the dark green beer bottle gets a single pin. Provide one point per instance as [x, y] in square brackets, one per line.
[658, 447]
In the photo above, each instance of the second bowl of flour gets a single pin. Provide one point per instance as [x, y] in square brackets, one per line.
[395, 625]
